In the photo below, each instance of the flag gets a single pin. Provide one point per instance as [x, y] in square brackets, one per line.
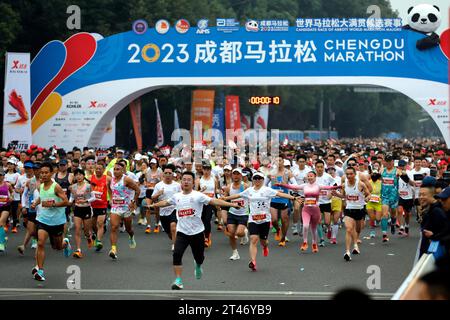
[233, 114]
[245, 122]
[159, 129]
[218, 120]
[136, 110]
[202, 108]
[176, 123]
[261, 117]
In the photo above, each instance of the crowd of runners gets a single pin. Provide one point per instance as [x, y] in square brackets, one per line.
[305, 196]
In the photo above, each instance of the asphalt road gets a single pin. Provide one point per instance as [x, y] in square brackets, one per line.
[146, 272]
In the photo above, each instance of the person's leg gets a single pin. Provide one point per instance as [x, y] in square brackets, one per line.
[284, 224]
[240, 231]
[100, 227]
[3, 218]
[206, 218]
[14, 213]
[77, 221]
[115, 223]
[157, 219]
[40, 251]
[87, 228]
[296, 217]
[384, 219]
[253, 249]
[350, 234]
[335, 225]
[306, 217]
[181, 244]
[314, 222]
[197, 243]
[274, 214]
[232, 236]
[31, 232]
[129, 225]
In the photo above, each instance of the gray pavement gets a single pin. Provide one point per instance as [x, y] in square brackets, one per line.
[146, 272]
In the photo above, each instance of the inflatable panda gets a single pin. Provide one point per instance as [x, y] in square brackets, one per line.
[426, 19]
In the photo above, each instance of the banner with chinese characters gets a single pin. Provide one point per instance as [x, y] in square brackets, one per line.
[16, 105]
[219, 120]
[232, 113]
[202, 108]
[76, 80]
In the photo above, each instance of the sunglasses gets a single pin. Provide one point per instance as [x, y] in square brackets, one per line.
[258, 178]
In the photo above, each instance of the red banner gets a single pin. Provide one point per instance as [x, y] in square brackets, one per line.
[202, 108]
[135, 110]
[232, 113]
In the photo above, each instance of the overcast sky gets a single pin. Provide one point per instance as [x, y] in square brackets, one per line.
[402, 7]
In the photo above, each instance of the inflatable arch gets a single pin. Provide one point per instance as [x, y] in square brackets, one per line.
[79, 86]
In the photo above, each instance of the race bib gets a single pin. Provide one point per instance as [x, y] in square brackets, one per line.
[310, 201]
[323, 193]
[404, 193]
[183, 213]
[352, 198]
[240, 202]
[388, 181]
[98, 195]
[259, 217]
[209, 194]
[374, 198]
[48, 202]
[3, 199]
[418, 184]
[118, 201]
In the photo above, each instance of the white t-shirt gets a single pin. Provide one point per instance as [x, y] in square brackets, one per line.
[217, 172]
[405, 190]
[189, 211]
[21, 183]
[325, 180]
[259, 201]
[169, 191]
[13, 179]
[418, 183]
[142, 186]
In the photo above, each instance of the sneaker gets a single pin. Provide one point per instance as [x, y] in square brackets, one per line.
[333, 241]
[34, 270]
[198, 272]
[315, 249]
[67, 248]
[235, 256]
[266, 251]
[244, 239]
[173, 247]
[219, 227]
[156, 230]
[141, 222]
[278, 235]
[98, 246]
[132, 242]
[347, 256]
[77, 254]
[2, 247]
[14, 230]
[33, 243]
[252, 265]
[356, 250]
[372, 234]
[39, 275]
[274, 230]
[322, 243]
[90, 243]
[401, 232]
[148, 230]
[21, 249]
[385, 238]
[304, 246]
[216, 221]
[113, 254]
[122, 229]
[300, 231]
[295, 230]
[177, 284]
[94, 237]
[286, 239]
[282, 243]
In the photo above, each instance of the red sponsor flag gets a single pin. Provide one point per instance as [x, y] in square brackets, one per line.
[232, 113]
[202, 108]
[245, 122]
[136, 110]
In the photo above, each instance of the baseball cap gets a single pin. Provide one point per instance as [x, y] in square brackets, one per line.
[402, 163]
[120, 151]
[286, 162]
[338, 161]
[28, 165]
[389, 158]
[206, 164]
[258, 174]
[238, 170]
[138, 157]
[444, 194]
[91, 150]
[153, 161]
[12, 161]
[227, 167]
[62, 162]
[429, 181]
[440, 152]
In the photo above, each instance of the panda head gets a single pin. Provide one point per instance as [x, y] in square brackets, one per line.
[424, 18]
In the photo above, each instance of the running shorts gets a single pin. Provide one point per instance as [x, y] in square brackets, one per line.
[336, 204]
[407, 204]
[355, 214]
[237, 220]
[261, 229]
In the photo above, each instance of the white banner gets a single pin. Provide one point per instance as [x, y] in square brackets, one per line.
[16, 111]
[109, 139]
[261, 117]
[159, 129]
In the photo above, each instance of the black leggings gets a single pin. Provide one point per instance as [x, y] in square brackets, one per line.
[197, 243]
[207, 214]
[14, 207]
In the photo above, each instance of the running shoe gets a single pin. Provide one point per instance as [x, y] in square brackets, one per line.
[304, 246]
[372, 234]
[294, 230]
[177, 284]
[39, 275]
[21, 249]
[141, 221]
[90, 243]
[14, 230]
[33, 243]
[359, 241]
[2, 247]
[122, 229]
[322, 243]
[148, 230]
[173, 247]
[300, 231]
[315, 249]
[216, 221]
[282, 243]
[274, 230]
[219, 227]
[235, 256]
[98, 246]
[34, 270]
[347, 256]
[113, 254]
[198, 271]
[385, 238]
[156, 230]
[401, 232]
[278, 235]
[132, 242]
[356, 250]
[265, 251]
[333, 241]
[252, 265]
[77, 254]
[67, 248]
[93, 237]
[286, 239]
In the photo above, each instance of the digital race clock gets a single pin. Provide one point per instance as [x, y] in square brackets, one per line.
[258, 100]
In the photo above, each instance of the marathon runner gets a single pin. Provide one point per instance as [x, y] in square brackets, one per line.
[6, 198]
[324, 180]
[300, 174]
[12, 177]
[406, 186]
[99, 185]
[389, 196]
[65, 180]
[152, 177]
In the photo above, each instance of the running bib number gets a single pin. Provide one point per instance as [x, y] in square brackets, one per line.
[310, 201]
[418, 184]
[352, 198]
[240, 202]
[48, 203]
[374, 198]
[3, 199]
[404, 193]
[118, 201]
[209, 194]
[183, 213]
[98, 195]
[323, 193]
[388, 181]
[259, 217]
